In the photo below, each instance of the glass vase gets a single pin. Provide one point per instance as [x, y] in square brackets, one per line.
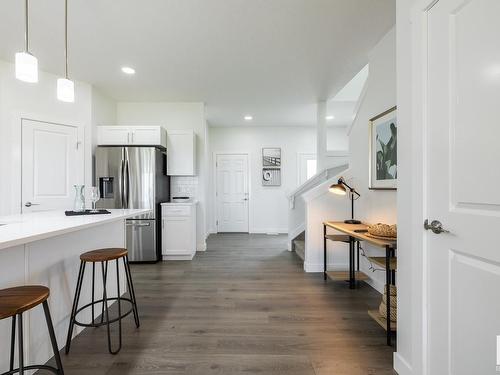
[79, 205]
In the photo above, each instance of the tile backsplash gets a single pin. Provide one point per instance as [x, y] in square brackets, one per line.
[184, 186]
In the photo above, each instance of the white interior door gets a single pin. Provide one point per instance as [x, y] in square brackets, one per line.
[463, 186]
[307, 167]
[52, 162]
[232, 193]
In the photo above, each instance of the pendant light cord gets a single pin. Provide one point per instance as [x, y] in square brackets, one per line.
[26, 27]
[65, 36]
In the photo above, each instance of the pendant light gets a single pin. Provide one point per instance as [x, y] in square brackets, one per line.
[65, 87]
[26, 63]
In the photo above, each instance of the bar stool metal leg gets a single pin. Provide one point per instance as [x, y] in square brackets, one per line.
[106, 311]
[53, 340]
[75, 305]
[12, 343]
[21, 345]
[130, 285]
[102, 307]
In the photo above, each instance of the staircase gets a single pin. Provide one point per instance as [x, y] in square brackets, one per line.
[297, 213]
[299, 245]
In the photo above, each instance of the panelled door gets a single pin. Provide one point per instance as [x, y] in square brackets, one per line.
[232, 193]
[463, 187]
[52, 162]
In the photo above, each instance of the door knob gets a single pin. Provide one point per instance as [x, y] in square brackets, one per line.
[435, 226]
[29, 204]
[245, 199]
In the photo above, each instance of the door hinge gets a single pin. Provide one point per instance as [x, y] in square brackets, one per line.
[78, 144]
[217, 223]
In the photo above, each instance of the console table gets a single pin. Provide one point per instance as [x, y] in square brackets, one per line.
[352, 234]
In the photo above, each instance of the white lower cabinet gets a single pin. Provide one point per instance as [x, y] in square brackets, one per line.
[178, 222]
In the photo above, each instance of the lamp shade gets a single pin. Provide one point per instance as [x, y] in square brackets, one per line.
[338, 189]
[65, 90]
[26, 67]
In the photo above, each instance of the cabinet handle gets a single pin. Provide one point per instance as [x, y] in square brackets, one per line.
[128, 137]
[132, 137]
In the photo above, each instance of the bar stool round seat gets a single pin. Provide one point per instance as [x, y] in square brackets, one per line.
[103, 255]
[13, 303]
[19, 299]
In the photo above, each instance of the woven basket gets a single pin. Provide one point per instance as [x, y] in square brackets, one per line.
[383, 312]
[383, 305]
[383, 230]
[394, 301]
[393, 290]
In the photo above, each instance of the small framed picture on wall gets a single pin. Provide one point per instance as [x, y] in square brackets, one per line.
[271, 166]
[383, 151]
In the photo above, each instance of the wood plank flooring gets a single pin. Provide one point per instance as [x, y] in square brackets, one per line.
[244, 306]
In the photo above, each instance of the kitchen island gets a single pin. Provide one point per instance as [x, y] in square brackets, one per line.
[44, 248]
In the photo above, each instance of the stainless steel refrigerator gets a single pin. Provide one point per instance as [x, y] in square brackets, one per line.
[135, 177]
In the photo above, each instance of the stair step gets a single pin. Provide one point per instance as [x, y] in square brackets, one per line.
[300, 248]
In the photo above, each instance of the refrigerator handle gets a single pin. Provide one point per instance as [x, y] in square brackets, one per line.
[127, 180]
[121, 184]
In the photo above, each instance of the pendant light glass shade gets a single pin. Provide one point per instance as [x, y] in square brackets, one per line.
[65, 86]
[26, 67]
[26, 63]
[65, 90]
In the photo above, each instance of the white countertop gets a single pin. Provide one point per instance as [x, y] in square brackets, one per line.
[25, 228]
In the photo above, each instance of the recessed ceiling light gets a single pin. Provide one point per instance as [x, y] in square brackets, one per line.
[128, 70]
[248, 118]
[330, 117]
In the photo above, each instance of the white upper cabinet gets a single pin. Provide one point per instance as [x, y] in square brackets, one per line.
[181, 153]
[131, 136]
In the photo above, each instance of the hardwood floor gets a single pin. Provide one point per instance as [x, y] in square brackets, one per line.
[242, 307]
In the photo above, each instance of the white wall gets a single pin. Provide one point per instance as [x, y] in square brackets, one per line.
[37, 101]
[268, 206]
[337, 138]
[410, 357]
[177, 116]
[373, 206]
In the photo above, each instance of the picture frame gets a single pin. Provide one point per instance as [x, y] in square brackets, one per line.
[271, 166]
[271, 157]
[382, 154]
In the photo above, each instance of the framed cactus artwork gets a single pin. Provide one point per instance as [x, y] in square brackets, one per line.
[383, 151]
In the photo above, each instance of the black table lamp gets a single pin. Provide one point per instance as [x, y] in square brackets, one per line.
[340, 189]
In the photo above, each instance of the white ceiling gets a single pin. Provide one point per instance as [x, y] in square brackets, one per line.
[272, 59]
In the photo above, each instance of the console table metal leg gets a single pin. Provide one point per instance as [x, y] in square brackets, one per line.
[352, 275]
[324, 252]
[388, 293]
[357, 259]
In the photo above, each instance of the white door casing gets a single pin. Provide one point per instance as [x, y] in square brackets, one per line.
[52, 162]
[462, 186]
[306, 163]
[232, 196]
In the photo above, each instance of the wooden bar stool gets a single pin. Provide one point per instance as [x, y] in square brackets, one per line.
[13, 303]
[104, 256]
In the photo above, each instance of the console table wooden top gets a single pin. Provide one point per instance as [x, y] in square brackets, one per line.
[355, 231]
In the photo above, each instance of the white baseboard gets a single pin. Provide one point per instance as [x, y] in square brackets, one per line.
[178, 257]
[201, 246]
[318, 267]
[268, 230]
[375, 284]
[401, 365]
